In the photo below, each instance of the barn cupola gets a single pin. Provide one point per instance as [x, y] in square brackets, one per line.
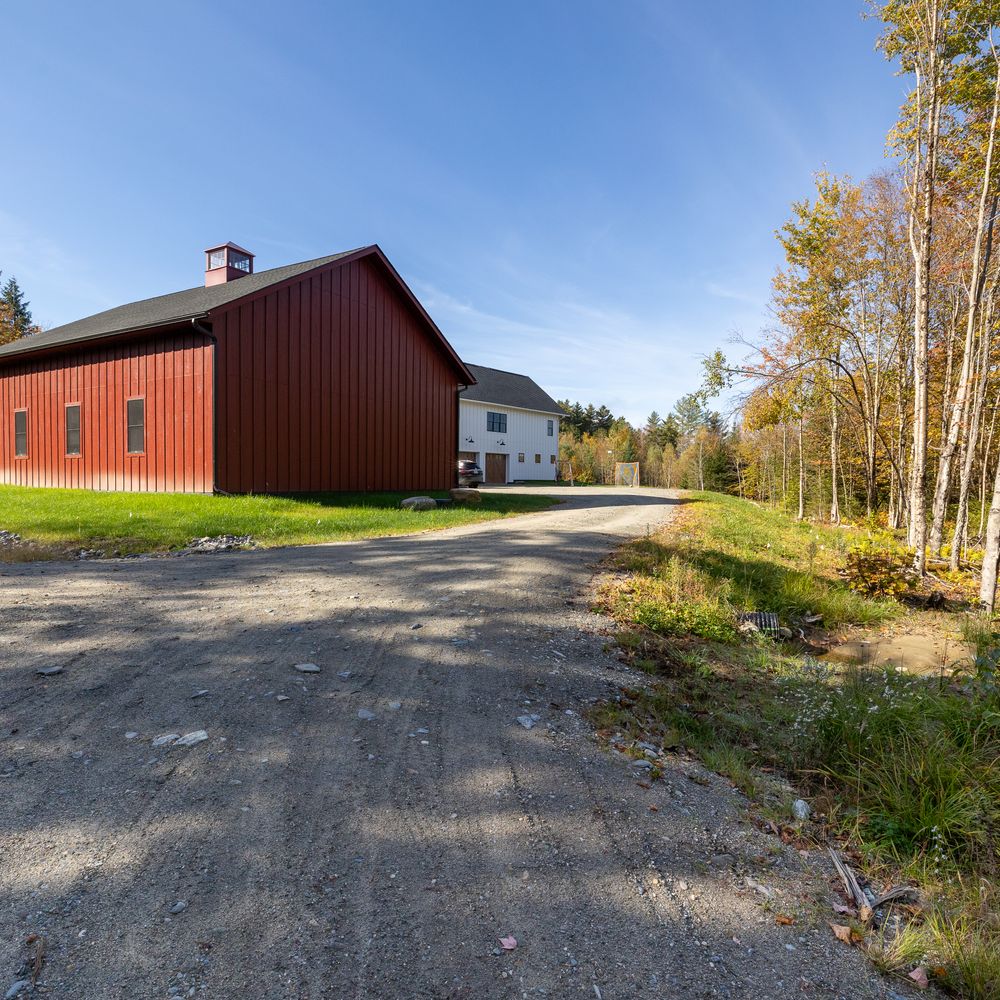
[227, 262]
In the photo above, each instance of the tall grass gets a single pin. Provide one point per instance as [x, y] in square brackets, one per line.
[730, 557]
[907, 767]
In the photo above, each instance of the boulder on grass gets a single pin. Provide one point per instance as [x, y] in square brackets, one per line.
[465, 494]
[418, 503]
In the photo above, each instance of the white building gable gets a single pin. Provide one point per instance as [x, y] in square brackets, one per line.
[510, 426]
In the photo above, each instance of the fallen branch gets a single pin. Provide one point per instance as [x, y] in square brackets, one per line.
[854, 890]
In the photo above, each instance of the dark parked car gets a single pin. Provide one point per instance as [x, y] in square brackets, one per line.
[469, 473]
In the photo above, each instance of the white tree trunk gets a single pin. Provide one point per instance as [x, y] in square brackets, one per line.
[974, 290]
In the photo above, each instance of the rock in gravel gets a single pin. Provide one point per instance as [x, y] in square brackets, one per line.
[307, 668]
[344, 674]
[220, 543]
[16, 988]
[413, 628]
[366, 714]
[49, 671]
[281, 697]
[131, 735]
[191, 739]
[166, 739]
[723, 861]
[528, 721]
[200, 694]
[418, 503]
[179, 907]
[801, 810]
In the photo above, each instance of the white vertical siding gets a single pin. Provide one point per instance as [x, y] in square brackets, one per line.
[527, 434]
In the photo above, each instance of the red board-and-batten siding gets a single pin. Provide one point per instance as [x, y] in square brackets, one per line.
[332, 381]
[172, 372]
[329, 381]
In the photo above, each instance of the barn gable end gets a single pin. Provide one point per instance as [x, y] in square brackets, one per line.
[333, 381]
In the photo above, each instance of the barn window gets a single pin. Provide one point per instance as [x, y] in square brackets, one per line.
[520, 456]
[496, 422]
[551, 424]
[136, 418]
[217, 258]
[73, 429]
[552, 459]
[20, 433]
[538, 460]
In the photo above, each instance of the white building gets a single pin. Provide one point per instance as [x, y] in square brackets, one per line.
[510, 426]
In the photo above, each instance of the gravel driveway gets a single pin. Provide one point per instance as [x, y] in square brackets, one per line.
[307, 849]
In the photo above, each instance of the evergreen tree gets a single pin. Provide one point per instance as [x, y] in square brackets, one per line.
[603, 419]
[669, 432]
[15, 316]
[690, 414]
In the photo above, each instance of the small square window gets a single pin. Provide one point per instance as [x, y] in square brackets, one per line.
[496, 423]
[136, 417]
[538, 460]
[552, 459]
[73, 429]
[550, 428]
[20, 433]
[520, 456]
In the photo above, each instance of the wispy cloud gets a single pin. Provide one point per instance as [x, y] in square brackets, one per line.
[576, 349]
[47, 270]
[719, 291]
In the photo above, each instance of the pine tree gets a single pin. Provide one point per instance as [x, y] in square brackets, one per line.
[15, 316]
[603, 419]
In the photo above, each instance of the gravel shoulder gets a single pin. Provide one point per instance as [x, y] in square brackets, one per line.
[318, 852]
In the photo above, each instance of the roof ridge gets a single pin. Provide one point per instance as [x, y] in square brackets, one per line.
[503, 371]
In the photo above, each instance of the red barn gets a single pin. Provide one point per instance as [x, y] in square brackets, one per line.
[322, 375]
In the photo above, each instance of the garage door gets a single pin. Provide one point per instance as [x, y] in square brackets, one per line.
[496, 468]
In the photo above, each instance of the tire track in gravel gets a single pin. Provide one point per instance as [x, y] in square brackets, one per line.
[281, 833]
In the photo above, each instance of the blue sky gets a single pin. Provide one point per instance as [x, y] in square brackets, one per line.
[583, 192]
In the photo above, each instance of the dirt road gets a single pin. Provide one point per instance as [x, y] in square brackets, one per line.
[306, 849]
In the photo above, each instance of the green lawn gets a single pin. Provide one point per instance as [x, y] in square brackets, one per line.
[58, 521]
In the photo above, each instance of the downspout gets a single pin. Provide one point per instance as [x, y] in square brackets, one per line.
[206, 332]
[458, 420]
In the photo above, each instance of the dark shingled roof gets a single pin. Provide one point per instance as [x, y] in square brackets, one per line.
[163, 309]
[509, 389]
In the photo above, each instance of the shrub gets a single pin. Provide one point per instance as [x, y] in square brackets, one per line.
[879, 569]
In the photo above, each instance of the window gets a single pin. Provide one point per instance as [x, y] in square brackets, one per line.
[20, 433]
[549, 429]
[520, 456]
[496, 423]
[538, 460]
[552, 459]
[136, 416]
[73, 429]
[240, 261]
[217, 258]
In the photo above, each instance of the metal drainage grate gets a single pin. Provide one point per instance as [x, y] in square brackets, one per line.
[765, 622]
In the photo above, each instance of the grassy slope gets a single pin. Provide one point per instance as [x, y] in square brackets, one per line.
[905, 770]
[124, 523]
